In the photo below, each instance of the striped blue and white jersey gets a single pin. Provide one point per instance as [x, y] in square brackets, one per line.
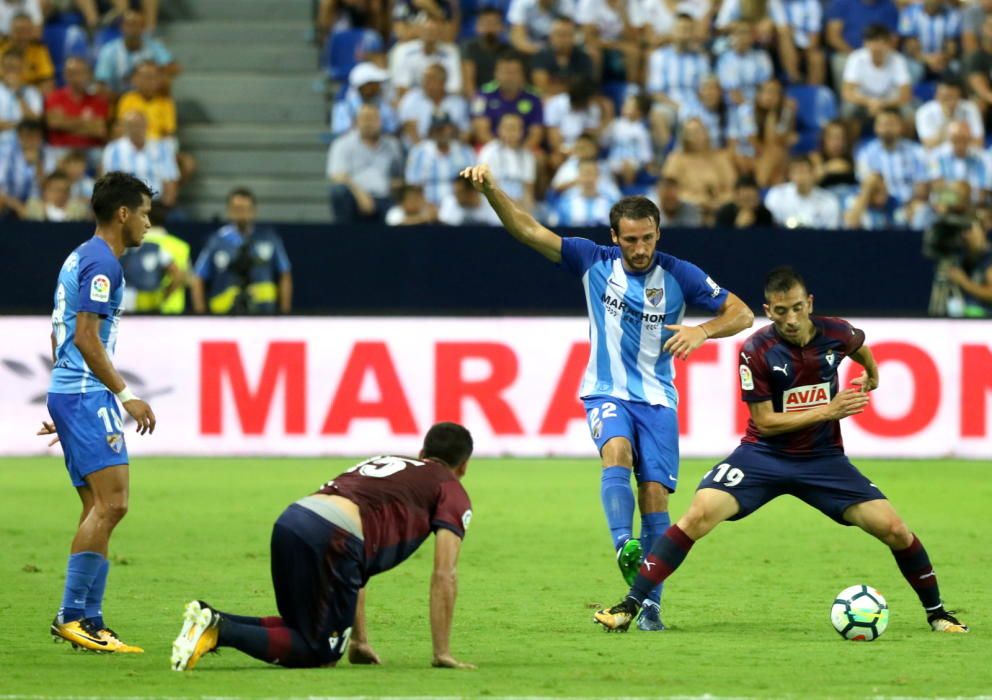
[932, 31]
[805, 17]
[744, 72]
[972, 168]
[435, 171]
[91, 280]
[576, 209]
[901, 167]
[628, 312]
[676, 74]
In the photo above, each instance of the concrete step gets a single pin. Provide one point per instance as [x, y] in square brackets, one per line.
[293, 163]
[207, 111]
[240, 9]
[238, 33]
[202, 58]
[251, 136]
[239, 87]
[302, 212]
[305, 188]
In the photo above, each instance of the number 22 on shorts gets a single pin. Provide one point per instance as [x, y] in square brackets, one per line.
[598, 415]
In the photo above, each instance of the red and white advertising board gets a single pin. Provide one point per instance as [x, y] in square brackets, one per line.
[358, 386]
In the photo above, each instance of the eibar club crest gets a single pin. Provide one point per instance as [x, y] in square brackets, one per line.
[655, 295]
[829, 357]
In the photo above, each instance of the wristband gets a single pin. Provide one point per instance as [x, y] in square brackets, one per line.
[125, 395]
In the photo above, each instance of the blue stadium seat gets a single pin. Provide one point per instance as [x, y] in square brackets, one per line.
[616, 90]
[925, 90]
[346, 48]
[816, 105]
[64, 41]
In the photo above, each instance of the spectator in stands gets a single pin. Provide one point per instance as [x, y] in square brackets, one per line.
[146, 97]
[75, 166]
[406, 14]
[872, 208]
[745, 210]
[76, 116]
[365, 83]
[531, 20]
[973, 16]
[675, 211]
[146, 269]
[961, 160]
[25, 38]
[743, 68]
[9, 9]
[465, 206]
[243, 268]
[511, 162]
[585, 204]
[656, 19]
[56, 202]
[17, 100]
[799, 203]
[569, 115]
[798, 24]
[561, 62]
[978, 68]
[412, 210]
[174, 301]
[479, 53]
[972, 274]
[876, 77]
[421, 104]
[931, 35]
[754, 13]
[920, 214]
[674, 73]
[774, 133]
[729, 126]
[435, 162]
[609, 39]
[628, 141]
[833, 163]
[364, 167]
[847, 22]
[408, 60]
[340, 15]
[507, 94]
[118, 58]
[900, 162]
[567, 175]
[151, 160]
[934, 117]
[705, 175]
[23, 164]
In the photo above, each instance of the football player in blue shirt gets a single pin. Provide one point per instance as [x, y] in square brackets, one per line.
[85, 416]
[636, 298]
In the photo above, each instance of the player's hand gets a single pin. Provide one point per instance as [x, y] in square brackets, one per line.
[849, 402]
[480, 176]
[865, 382]
[685, 340]
[362, 653]
[48, 428]
[142, 414]
[449, 661]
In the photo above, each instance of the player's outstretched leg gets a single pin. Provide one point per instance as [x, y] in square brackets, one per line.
[618, 504]
[197, 636]
[880, 519]
[655, 520]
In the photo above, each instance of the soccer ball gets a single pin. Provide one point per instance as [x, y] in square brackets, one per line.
[860, 613]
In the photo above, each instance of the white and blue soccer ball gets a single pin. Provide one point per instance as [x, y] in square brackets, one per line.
[860, 613]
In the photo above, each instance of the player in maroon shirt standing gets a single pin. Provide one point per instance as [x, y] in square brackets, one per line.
[327, 545]
[788, 374]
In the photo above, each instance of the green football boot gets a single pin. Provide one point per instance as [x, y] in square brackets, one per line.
[629, 559]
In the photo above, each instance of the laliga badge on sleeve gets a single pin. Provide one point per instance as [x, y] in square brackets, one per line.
[747, 380]
[100, 289]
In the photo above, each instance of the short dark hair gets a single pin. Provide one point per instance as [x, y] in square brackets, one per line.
[634, 207]
[876, 31]
[746, 181]
[156, 217]
[684, 16]
[30, 125]
[54, 176]
[449, 442]
[115, 190]
[781, 280]
[511, 55]
[241, 192]
[951, 79]
[801, 159]
[891, 109]
[490, 10]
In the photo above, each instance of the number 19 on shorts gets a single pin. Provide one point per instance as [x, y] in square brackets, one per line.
[725, 474]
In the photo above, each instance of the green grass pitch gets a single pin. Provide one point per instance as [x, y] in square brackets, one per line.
[748, 612]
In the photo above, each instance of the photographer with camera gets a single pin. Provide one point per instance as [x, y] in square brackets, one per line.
[972, 274]
[243, 269]
[957, 241]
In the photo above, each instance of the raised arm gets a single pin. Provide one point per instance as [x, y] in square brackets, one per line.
[518, 222]
[733, 317]
[444, 589]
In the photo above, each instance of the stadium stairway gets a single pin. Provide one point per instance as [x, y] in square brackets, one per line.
[251, 105]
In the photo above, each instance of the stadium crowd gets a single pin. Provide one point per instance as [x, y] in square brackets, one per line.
[824, 113]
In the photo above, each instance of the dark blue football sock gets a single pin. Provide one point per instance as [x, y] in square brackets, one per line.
[80, 573]
[93, 610]
[653, 526]
[618, 503]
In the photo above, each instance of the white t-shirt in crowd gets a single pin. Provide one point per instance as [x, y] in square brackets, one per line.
[882, 82]
[818, 209]
[931, 120]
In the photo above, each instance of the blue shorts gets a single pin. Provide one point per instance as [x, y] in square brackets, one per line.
[90, 430]
[755, 476]
[653, 432]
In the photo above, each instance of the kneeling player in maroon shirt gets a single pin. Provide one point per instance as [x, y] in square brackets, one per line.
[788, 374]
[327, 545]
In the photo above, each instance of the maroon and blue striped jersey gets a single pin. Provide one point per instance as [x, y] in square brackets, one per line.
[402, 500]
[797, 378]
